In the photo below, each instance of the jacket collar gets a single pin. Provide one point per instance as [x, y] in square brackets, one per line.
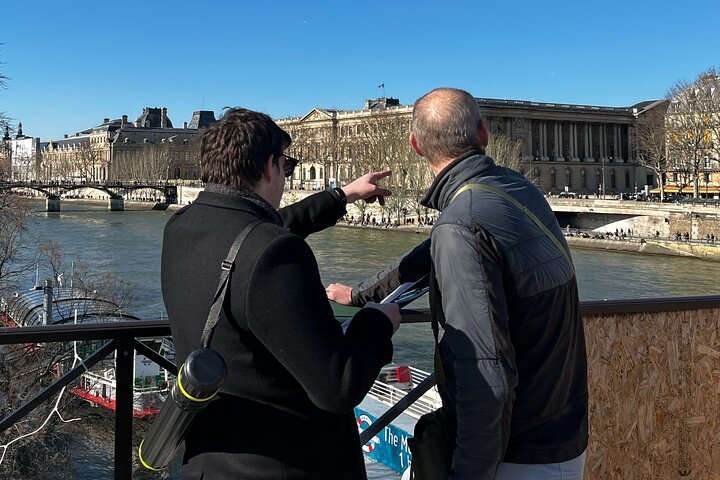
[221, 196]
[454, 175]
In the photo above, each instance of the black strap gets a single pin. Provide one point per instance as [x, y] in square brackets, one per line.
[225, 269]
[564, 249]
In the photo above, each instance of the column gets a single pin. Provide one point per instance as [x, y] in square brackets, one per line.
[574, 141]
[52, 204]
[116, 204]
[557, 131]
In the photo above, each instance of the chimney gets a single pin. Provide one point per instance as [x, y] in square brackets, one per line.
[66, 135]
[185, 125]
[47, 303]
[106, 120]
[163, 118]
[124, 120]
[137, 123]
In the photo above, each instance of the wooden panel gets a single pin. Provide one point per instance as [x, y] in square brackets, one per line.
[654, 382]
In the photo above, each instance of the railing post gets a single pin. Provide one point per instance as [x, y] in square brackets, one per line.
[123, 409]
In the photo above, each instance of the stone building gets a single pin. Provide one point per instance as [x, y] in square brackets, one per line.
[583, 149]
[19, 156]
[150, 149]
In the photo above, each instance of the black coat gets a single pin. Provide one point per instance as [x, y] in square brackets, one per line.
[285, 410]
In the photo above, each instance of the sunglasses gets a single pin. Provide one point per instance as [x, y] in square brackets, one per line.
[290, 164]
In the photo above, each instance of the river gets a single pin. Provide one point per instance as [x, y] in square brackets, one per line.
[127, 244]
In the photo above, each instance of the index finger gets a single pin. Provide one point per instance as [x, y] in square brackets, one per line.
[380, 175]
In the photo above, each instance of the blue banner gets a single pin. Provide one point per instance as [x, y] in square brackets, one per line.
[388, 447]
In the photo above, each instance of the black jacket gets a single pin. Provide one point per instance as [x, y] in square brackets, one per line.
[513, 348]
[285, 410]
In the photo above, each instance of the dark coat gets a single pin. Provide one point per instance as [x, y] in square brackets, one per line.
[513, 349]
[285, 410]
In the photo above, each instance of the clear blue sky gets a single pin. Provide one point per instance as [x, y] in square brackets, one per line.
[73, 63]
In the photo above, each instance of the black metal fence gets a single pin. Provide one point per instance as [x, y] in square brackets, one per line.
[123, 337]
[120, 336]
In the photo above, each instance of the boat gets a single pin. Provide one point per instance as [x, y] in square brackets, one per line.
[47, 305]
[394, 383]
[390, 445]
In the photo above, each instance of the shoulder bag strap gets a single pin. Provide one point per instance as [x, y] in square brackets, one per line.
[225, 269]
[523, 208]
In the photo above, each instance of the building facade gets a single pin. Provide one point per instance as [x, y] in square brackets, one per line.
[692, 124]
[587, 150]
[19, 156]
[150, 149]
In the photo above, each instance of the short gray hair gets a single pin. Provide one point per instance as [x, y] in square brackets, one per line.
[445, 123]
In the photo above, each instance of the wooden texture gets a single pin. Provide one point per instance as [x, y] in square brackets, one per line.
[654, 381]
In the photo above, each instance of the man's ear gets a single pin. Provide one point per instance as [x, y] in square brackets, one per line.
[414, 145]
[483, 134]
[269, 169]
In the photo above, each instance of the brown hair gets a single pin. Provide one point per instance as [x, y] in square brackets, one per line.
[234, 150]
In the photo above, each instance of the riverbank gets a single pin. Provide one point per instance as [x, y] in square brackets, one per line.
[693, 249]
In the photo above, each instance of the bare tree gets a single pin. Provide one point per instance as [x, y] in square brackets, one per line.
[86, 159]
[506, 151]
[692, 118]
[4, 120]
[29, 451]
[650, 135]
[148, 163]
[15, 244]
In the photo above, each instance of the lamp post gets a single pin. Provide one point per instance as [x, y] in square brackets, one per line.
[603, 176]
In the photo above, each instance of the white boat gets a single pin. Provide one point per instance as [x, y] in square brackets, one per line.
[59, 306]
[390, 446]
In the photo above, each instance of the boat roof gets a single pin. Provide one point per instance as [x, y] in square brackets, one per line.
[27, 308]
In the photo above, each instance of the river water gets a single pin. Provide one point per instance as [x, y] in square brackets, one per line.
[128, 245]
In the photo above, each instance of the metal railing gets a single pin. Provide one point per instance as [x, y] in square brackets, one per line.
[123, 338]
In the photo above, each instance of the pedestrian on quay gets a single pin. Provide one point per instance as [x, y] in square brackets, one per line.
[285, 410]
[504, 289]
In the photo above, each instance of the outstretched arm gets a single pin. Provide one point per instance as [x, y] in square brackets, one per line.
[322, 210]
[410, 267]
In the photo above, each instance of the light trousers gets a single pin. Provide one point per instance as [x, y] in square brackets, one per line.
[570, 470]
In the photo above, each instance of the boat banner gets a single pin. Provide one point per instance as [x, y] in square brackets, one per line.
[389, 447]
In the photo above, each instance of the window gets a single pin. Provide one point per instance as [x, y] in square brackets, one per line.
[553, 182]
[583, 179]
[627, 179]
[568, 177]
[612, 179]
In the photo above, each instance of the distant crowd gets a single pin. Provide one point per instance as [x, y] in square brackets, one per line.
[369, 220]
[622, 234]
